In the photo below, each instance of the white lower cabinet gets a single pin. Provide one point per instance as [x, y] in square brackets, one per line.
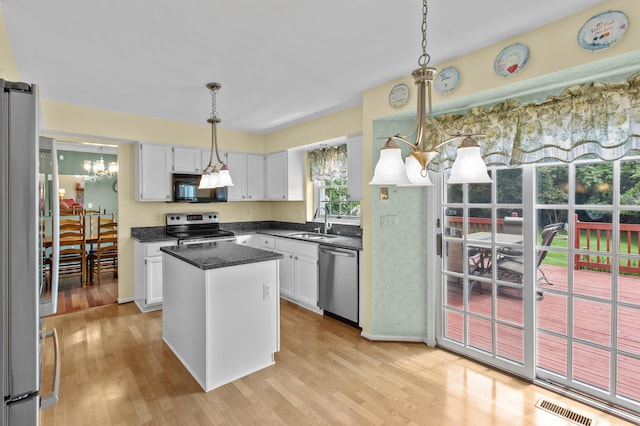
[148, 274]
[299, 272]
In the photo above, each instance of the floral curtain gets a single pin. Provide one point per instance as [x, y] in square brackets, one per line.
[597, 119]
[328, 163]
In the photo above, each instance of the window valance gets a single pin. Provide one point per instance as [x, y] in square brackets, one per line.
[597, 119]
[328, 163]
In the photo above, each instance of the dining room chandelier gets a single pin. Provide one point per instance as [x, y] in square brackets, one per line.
[96, 169]
[469, 167]
[215, 175]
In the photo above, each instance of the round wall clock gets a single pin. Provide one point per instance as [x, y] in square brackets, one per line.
[399, 95]
[603, 30]
[511, 60]
[447, 80]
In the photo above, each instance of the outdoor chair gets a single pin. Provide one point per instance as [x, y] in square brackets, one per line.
[456, 261]
[512, 267]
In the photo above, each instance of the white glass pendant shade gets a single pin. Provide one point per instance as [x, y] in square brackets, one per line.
[469, 167]
[224, 179]
[390, 169]
[208, 181]
[417, 176]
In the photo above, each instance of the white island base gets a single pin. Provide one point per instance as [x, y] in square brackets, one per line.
[222, 323]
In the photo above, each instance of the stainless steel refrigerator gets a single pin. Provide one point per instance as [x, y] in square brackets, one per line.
[28, 283]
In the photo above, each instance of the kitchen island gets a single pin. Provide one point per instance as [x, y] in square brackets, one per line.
[221, 314]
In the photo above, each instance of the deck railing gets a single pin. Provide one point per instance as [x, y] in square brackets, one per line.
[594, 236]
[597, 236]
[476, 224]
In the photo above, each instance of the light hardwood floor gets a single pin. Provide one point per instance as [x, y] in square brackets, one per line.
[117, 371]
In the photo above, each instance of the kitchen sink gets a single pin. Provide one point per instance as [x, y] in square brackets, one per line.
[312, 236]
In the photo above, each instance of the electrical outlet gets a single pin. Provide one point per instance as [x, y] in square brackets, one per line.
[266, 291]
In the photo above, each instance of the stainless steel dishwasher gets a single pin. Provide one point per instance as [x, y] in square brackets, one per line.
[338, 292]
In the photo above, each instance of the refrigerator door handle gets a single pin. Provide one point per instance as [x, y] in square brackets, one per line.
[50, 399]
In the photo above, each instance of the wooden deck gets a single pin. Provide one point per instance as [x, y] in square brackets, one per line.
[591, 327]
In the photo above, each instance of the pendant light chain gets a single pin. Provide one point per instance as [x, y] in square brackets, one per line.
[425, 58]
[214, 105]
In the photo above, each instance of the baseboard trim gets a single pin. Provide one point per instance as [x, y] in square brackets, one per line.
[385, 338]
[122, 300]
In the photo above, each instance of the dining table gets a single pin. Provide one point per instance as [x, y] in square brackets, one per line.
[480, 243]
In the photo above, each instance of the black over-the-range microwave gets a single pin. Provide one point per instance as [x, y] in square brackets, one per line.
[185, 189]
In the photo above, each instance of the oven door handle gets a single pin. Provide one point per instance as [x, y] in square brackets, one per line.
[206, 240]
[50, 399]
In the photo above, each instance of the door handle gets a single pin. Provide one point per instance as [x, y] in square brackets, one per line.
[50, 399]
[338, 253]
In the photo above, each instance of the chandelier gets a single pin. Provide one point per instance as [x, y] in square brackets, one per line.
[215, 175]
[96, 169]
[469, 167]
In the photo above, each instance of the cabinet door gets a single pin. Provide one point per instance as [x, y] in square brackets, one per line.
[276, 175]
[153, 177]
[153, 279]
[187, 160]
[237, 163]
[306, 278]
[255, 176]
[354, 167]
[287, 275]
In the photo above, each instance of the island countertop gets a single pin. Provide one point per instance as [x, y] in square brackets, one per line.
[219, 254]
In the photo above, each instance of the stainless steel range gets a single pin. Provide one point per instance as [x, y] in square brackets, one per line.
[193, 228]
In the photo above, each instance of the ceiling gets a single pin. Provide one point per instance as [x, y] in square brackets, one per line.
[280, 62]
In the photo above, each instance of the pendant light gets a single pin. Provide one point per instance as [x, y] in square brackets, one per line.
[212, 176]
[387, 170]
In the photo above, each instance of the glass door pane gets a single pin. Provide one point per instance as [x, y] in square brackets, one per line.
[482, 224]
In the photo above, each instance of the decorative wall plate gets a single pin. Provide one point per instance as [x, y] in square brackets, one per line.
[399, 95]
[603, 30]
[511, 59]
[447, 80]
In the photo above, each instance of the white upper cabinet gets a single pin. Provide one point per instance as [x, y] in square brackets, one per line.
[285, 175]
[247, 173]
[255, 177]
[153, 172]
[187, 160]
[354, 166]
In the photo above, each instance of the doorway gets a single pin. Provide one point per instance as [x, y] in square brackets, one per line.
[87, 190]
[568, 312]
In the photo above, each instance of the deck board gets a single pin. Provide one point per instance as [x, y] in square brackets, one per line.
[593, 313]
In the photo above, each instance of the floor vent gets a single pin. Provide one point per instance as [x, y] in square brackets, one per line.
[565, 413]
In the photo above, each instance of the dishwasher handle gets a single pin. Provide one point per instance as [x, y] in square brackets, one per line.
[338, 253]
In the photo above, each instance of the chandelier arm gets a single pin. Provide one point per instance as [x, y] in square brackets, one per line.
[401, 139]
[458, 136]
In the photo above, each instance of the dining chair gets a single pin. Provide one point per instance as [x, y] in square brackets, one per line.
[512, 267]
[457, 261]
[104, 258]
[72, 254]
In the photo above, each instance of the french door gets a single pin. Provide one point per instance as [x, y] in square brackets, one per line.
[474, 318]
[570, 313]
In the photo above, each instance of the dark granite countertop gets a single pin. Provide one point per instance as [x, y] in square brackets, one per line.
[151, 234]
[219, 254]
[333, 240]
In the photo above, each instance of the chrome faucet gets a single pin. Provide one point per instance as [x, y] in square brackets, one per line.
[327, 225]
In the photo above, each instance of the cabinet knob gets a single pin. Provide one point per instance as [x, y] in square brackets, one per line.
[249, 196]
[296, 257]
[290, 256]
[283, 197]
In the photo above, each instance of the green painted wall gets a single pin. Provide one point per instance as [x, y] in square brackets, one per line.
[399, 245]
